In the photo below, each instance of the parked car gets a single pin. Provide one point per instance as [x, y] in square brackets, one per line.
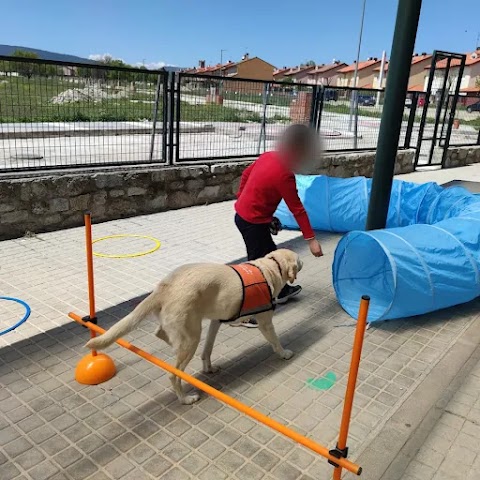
[420, 102]
[330, 95]
[474, 107]
[366, 100]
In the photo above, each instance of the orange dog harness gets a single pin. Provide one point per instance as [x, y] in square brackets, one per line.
[257, 297]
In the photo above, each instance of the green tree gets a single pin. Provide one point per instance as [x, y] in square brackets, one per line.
[310, 63]
[26, 69]
[477, 82]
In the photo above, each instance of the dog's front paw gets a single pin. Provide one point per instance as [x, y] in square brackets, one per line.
[286, 354]
[210, 369]
[190, 399]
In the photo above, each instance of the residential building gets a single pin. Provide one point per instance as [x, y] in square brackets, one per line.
[365, 74]
[469, 77]
[298, 74]
[279, 73]
[417, 73]
[326, 75]
[253, 68]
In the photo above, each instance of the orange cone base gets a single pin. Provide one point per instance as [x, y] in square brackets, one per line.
[95, 369]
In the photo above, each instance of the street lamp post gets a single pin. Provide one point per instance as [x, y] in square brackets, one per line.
[221, 61]
[353, 97]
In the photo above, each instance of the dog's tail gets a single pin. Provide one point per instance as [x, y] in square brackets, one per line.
[147, 306]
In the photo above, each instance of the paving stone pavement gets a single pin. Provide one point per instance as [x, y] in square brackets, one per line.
[132, 427]
[452, 450]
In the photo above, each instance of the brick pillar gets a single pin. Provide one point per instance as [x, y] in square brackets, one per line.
[300, 108]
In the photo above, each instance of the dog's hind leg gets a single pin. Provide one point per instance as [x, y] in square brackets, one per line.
[265, 325]
[207, 349]
[185, 344]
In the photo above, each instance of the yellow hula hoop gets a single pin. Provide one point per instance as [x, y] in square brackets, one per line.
[127, 255]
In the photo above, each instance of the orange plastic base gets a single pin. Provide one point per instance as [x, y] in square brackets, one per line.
[95, 369]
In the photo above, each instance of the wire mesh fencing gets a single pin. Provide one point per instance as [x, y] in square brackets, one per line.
[350, 118]
[466, 124]
[235, 118]
[67, 115]
[59, 115]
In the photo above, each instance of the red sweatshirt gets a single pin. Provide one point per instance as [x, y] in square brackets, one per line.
[262, 187]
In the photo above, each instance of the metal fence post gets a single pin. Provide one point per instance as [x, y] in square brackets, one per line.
[263, 127]
[411, 120]
[355, 122]
[453, 109]
[165, 118]
[313, 107]
[177, 114]
[320, 101]
[171, 116]
[155, 115]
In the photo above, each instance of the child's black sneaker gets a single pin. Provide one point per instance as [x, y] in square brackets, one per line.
[287, 293]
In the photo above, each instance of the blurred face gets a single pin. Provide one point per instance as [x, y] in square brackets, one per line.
[299, 157]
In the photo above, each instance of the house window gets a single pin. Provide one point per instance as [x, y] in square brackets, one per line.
[231, 71]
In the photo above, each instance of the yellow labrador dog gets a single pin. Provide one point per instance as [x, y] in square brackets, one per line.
[204, 291]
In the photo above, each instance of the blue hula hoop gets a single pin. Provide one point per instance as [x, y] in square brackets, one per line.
[25, 317]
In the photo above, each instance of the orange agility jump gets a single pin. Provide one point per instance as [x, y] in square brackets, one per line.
[97, 368]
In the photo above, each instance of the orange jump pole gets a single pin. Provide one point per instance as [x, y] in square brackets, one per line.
[241, 407]
[93, 368]
[341, 451]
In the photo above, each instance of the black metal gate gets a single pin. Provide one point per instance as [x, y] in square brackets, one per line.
[441, 95]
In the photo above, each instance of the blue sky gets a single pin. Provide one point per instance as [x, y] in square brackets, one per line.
[180, 32]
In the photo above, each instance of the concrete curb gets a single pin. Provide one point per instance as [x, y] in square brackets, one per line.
[390, 453]
[23, 133]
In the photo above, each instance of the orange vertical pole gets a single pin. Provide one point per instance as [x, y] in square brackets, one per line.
[342, 450]
[91, 288]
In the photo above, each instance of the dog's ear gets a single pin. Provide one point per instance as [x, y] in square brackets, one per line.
[292, 271]
[281, 262]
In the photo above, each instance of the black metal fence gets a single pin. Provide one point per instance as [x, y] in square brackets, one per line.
[466, 125]
[57, 115]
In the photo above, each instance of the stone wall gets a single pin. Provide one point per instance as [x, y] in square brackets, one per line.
[462, 156]
[360, 164]
[55, 201]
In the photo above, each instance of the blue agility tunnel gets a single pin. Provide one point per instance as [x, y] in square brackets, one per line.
[426, 259]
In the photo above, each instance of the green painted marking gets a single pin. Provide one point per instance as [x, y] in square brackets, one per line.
[324, 383]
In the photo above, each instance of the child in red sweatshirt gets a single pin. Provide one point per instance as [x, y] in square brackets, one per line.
[263, 185]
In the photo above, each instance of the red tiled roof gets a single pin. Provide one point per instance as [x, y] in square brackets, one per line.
[421, 58]
[472, 59]
[415, 60]
[218, 66]
[470, 90]
[281, 70]
[361, 66]
[415, 88]
[294, 71]
[326, 68]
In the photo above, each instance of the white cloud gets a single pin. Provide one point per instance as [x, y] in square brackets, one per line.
[102, 57]
[154, 65]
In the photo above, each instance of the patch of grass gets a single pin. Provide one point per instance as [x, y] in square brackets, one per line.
[475, 123]
[25, 100]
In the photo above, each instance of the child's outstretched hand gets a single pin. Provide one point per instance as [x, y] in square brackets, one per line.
[315, 247]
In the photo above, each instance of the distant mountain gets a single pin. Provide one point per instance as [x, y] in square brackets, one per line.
[8, 50]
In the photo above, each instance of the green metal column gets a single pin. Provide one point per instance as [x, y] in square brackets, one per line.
[394, 103]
